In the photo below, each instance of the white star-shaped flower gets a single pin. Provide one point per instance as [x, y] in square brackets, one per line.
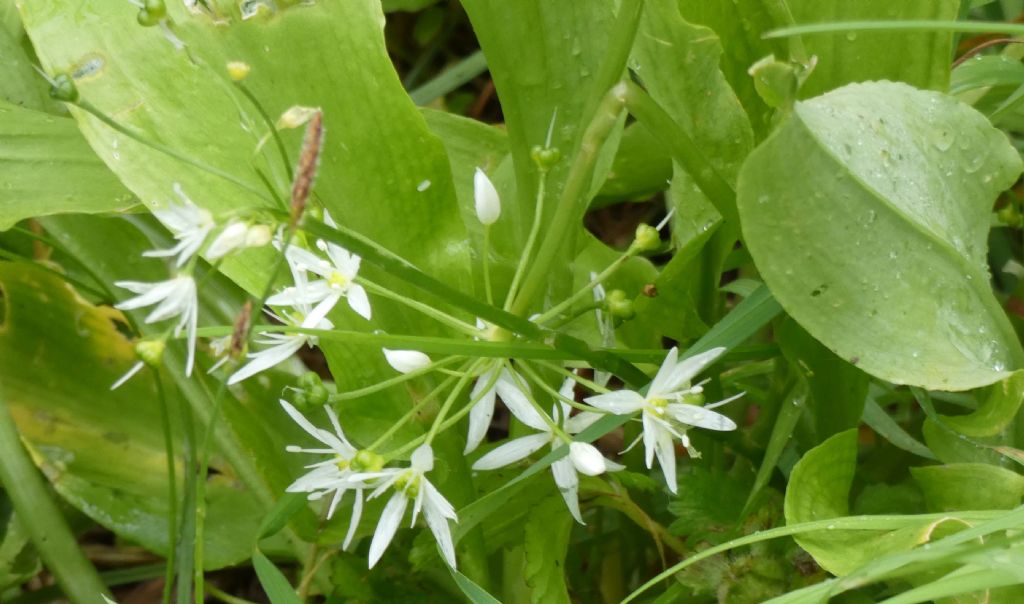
[189, 224]
[173, 298]
[583, 457]
[332, 476]
[507, 386]
[664, 414]
[411, 484]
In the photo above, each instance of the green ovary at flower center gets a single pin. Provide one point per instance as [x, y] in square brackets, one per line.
[408, 483]
[657, 406]
[342, 463]
[338, 280]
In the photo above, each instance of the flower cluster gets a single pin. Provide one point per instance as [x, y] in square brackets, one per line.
[176, 297]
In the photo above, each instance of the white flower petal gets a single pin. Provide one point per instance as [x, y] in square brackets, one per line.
[620, 402]
[390, 518]
[128, 375]
[664, 371]
[581, 421]
[512, 451]
[230, 238]
[666, 453]
[358, 301]
[435, 514]
[684, 372]
[481, 413]
[353, 524]
[700, 417]
[265, 359]
[319, 313]
[568, 485]
[423, 458]
[517, 401]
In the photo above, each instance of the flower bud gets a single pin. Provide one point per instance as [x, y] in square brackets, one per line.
[151, 351]
[238, 70]
[151, 13]
[258, 235]
[586, 458]
[230, 239]
[647, 239]
[488, 204]
[63, 88]
[406, 361]
[619, 305]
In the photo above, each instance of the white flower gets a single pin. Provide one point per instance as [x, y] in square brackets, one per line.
[338, 280]
[330, 476]
[411, 483]
[485, 196]
[406, 361]
[664, 414]
[284, 345]
[506, 385]
[583, 458]
[189, 224]
[173, 298]
[220, 347]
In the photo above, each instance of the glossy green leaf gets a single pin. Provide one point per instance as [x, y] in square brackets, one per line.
[61, 400]
[991, 487]
[917, 58]
[46, 167]
[819, 489]
[996, 411]
[952, 447]
[890, 272]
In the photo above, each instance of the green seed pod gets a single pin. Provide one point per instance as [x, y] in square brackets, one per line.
[64, 88]
[367, 461]
[620, 305]
[545, 157]
[313, 389]
[151, 352]
[647, 239]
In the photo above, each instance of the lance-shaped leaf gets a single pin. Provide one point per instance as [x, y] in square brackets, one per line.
[867, 214]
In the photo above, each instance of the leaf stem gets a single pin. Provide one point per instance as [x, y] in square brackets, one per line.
[396, 426]
[172, 485]
[531, 239]
[438, 315]
[589, 287]
[337, 397]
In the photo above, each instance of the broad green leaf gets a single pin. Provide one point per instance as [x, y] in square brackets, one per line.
[381, 171]
[76, 427]
[991, 488]
[20, 85]
[917, 58]
[837, 388]
[819, 489]
[951, 447]
[890, 203]
[996, 412]
[48, 168]
[640, 169]
[545, 546]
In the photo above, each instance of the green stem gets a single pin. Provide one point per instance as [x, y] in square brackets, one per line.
[172, 485]
[38, 512]
[337, 397]
[531, 240]
[426, 309]
[452, 397]
[200, 499]
[573, 198]
[683, 149]
[579, 379]
[95, 112]
[270, 127]
[555, 394]
[225, 597]
[487, 264]
[588, 288]
[917, 25]
[524, 387]
[411, 413]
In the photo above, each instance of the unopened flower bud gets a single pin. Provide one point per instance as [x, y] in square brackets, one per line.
[620, 305]
[230, 239]
[647, 238]
[587, 459]
[488, 204]
[406, 361]
[151, 13]
[151, 351]
[238, 70]
[63, 88]
[258, 235]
